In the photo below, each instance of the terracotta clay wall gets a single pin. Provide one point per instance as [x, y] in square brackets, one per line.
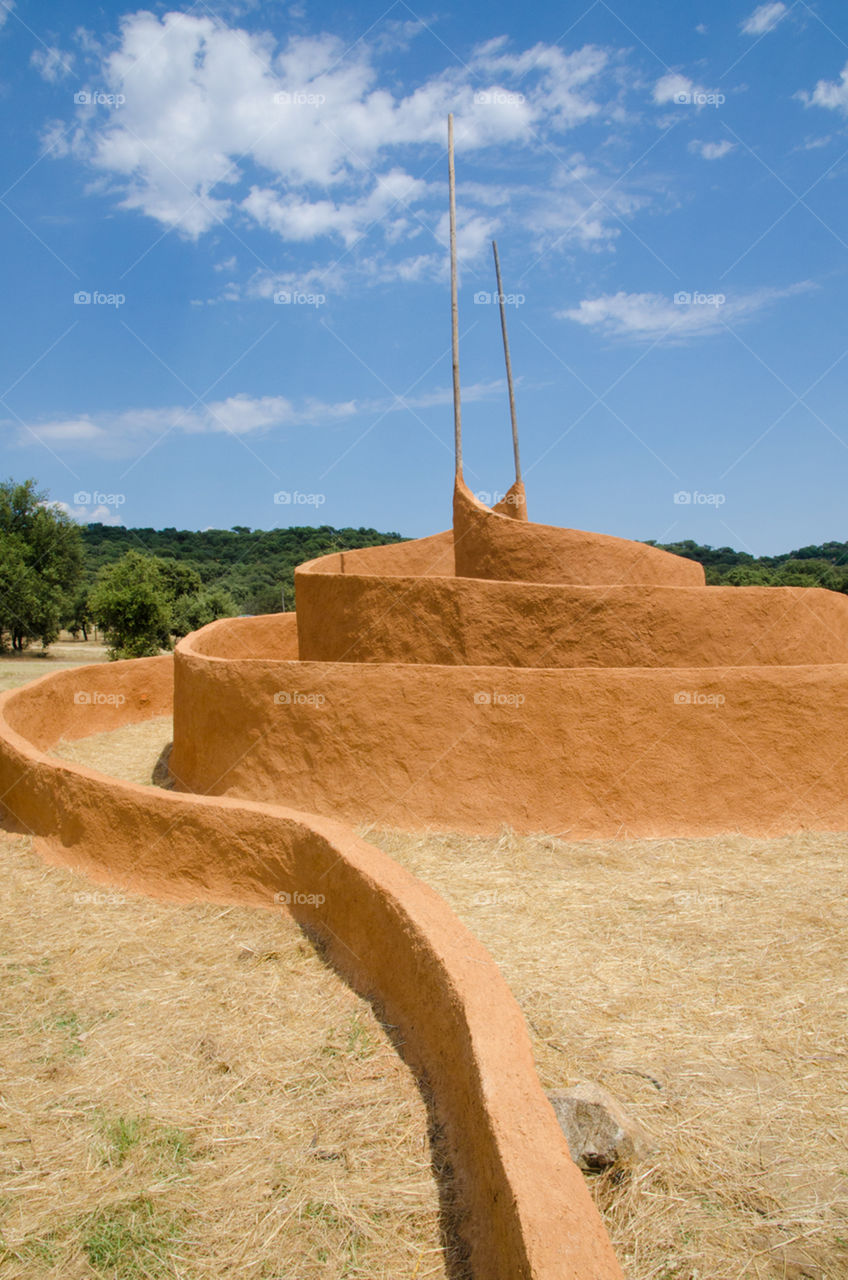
[644, 704]
[592, 753]
[490, 545]
[473, 622]
[528, 1213]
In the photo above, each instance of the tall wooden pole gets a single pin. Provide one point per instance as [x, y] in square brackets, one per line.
[457, 410]
[508, 363]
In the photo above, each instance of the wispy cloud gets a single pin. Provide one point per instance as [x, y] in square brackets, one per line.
[673, 319]
[764, 19]
[712, 150]
[829, 93]
[117, 434]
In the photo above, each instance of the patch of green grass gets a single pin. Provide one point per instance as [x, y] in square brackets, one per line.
[174, 1143]
[123, 1134]
[133, 1240]
[32, 1250]
[359, 1043]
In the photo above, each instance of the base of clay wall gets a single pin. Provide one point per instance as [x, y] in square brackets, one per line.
[528, 1214]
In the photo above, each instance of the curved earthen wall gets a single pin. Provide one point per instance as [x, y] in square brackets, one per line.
[488, 544]
[638, 703]
[528, 1213]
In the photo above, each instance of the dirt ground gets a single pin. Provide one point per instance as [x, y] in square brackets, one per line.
[704, 982]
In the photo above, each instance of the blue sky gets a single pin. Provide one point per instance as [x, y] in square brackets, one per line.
[254, 198]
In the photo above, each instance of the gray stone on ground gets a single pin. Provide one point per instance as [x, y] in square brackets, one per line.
[598, 1130]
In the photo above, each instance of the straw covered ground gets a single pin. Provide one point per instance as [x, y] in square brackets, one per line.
[704, 983]
[189, 1092]
[158, 1095]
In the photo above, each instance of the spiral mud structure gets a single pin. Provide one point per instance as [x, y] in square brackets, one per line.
[501, 672]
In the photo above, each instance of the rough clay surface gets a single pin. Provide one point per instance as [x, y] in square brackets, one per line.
[527, 1212]
[503, 672]
[506, 672]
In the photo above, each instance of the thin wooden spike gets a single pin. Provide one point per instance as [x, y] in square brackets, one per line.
[457, 409]
[508, 364]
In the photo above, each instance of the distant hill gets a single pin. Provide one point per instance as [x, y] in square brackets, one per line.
[252, 564]
[255, 565]
[815, 566]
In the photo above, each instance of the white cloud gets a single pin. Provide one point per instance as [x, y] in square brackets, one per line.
[305, 140]
[121, 433]
[673, 319]
[89, 515]
[52, 64]
[764, 19]
[6, 7]
[675, 87]
[830, 94]
[712, 150]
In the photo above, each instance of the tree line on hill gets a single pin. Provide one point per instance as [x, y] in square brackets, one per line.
[142, 587]
[146, 587]
[814, 566]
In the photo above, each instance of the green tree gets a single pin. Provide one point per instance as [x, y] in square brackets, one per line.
[41, 560]
[130, 601]
[178, 579]
[192, 612]
[77, 616]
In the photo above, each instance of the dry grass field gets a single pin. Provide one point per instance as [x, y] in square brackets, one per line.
[191, 1093]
